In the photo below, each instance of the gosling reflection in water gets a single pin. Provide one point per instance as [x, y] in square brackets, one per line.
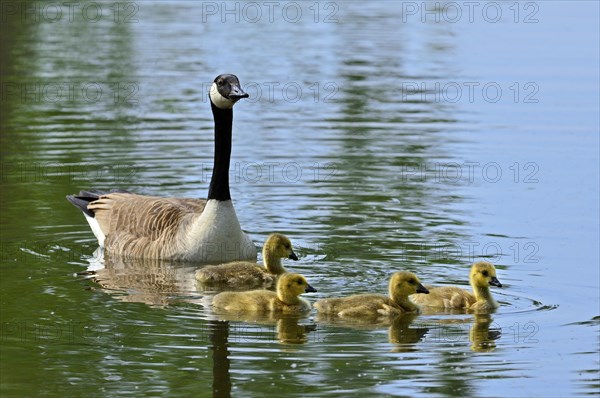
[403, 335]
[482, 336]
[401, 330]
[224, 333]
[283, 328]
[481, 332]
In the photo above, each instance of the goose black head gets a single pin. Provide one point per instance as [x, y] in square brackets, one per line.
[226, 91]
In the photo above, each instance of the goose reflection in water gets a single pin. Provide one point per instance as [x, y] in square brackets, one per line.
[154, 282]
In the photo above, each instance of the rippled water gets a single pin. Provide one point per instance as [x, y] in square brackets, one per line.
[375, 137]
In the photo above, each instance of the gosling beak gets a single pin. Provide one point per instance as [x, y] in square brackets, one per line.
[422, 289]
[237, 93]
[495, 282]
[310, 289]
[293, 256]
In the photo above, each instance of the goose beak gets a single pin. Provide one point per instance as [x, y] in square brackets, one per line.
[422, 289]
[310, 289]
[237, 93]
[293, 256]
[495, 282]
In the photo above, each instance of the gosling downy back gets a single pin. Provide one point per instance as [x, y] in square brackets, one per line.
[401, 285]
[240, 274]
[202, 230]
[286, 300]
[481, 277]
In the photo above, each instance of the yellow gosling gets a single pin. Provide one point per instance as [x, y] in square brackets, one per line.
[402, 284]
[286, 301]
[249, 274]
[483, 274]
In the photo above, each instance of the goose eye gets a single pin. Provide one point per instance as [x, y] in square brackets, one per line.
[485, 273]
[412, 281]
[299, 281]
[220, 82]
[287, 246]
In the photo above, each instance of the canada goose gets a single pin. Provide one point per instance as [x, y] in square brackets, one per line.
[402, 284]
[286, 300]
[247, 274]
[482, 275]
[201, 230]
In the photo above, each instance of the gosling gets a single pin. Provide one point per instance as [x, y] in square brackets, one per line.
[246, 274]
[286, 301]
[402, 284]
[482, 275]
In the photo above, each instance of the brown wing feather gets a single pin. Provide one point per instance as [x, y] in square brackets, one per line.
[134, 224]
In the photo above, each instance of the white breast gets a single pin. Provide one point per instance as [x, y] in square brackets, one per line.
[216, 236]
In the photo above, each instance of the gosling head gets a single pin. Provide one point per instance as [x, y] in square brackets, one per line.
[294, 285]
[226, 91]
[405, 283]
[279, 246]
[483, 274]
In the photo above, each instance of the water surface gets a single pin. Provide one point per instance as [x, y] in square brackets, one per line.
[376, 138]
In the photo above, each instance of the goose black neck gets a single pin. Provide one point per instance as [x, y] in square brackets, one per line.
[219, 183]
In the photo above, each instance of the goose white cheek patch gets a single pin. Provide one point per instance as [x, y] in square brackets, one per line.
[218, 99]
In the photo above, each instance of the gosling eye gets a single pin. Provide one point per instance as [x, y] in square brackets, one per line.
[412, 281]
[485, 273]
[299, 281]
[287, 246]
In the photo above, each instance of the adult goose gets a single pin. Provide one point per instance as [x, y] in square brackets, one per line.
[201, 230]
